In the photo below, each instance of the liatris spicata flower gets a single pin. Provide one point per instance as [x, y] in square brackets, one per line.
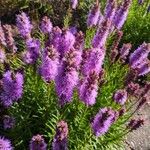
[60, 141]
[103, 120]
[93, 15]
[79, 40]
[66, 42]
[146, 88]
[101, 35]
[131, 76]
[120, 96]
[46, 25]
[74, 4]
[5, 144]
[24, 25]
[121, 14]
[140, 2]
[67, 76]
[2, 56]
[73, 30]
[135, 124]
[117, 40]
[88, 89]
[124, 51]
[54, 38]
[133, 88]
[113, 55]
[121, 112]
[144, 69]
[32, 53]
[2, 36]
[114, 51]
[92, 60]
[142, 102]
[139, 55]
[100, 20]
[9, 38]
[12, 85]
[110, 9]
[50, 61]
[8, 122]
[37, 143]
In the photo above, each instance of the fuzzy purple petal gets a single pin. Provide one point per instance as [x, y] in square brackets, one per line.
[103, 120]
[120, 96]
[5, 144]
[24, 25]
[46, 25]
[37, 143]
[60, 141]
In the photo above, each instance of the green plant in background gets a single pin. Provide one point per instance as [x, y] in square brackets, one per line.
[136, 29]
[45, 101]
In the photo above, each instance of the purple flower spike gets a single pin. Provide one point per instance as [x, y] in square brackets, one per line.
[8, 122]
[24, 25]
[140, 2]
[32, 53]
[124, 51]
[101, 35]
[55, 37]
[144, 69]
[100, 20]
[67, 41]
[139, 55]
[103, 120]
[60, 141]
[9, 38]
[88, 89]
[12, 85]
[74, 4]
[121, 14]
[37, 143]
[110, 9]
[46, 25]
[2, 36]
[135, 124]
[50, 62]
[67, 77]
[120, 96]
[5, 144]
[2, 56]
[93, 15]
[79, 41]
[133, 89]
[92, 60]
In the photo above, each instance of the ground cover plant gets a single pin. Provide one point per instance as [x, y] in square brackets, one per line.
[62, 88]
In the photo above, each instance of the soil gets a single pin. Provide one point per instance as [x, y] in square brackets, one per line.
[140, 139]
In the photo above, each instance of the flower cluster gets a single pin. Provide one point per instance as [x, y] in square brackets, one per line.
[50, 61]
[117, 14]
[5, 144]
[24, 25]
[46, 25]
[63, 59]
[33, 50]
[8, 122]
[60, 141]
[12, 88]
[103, 120]
[37, 143]
[139, 59]
[93, 16]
